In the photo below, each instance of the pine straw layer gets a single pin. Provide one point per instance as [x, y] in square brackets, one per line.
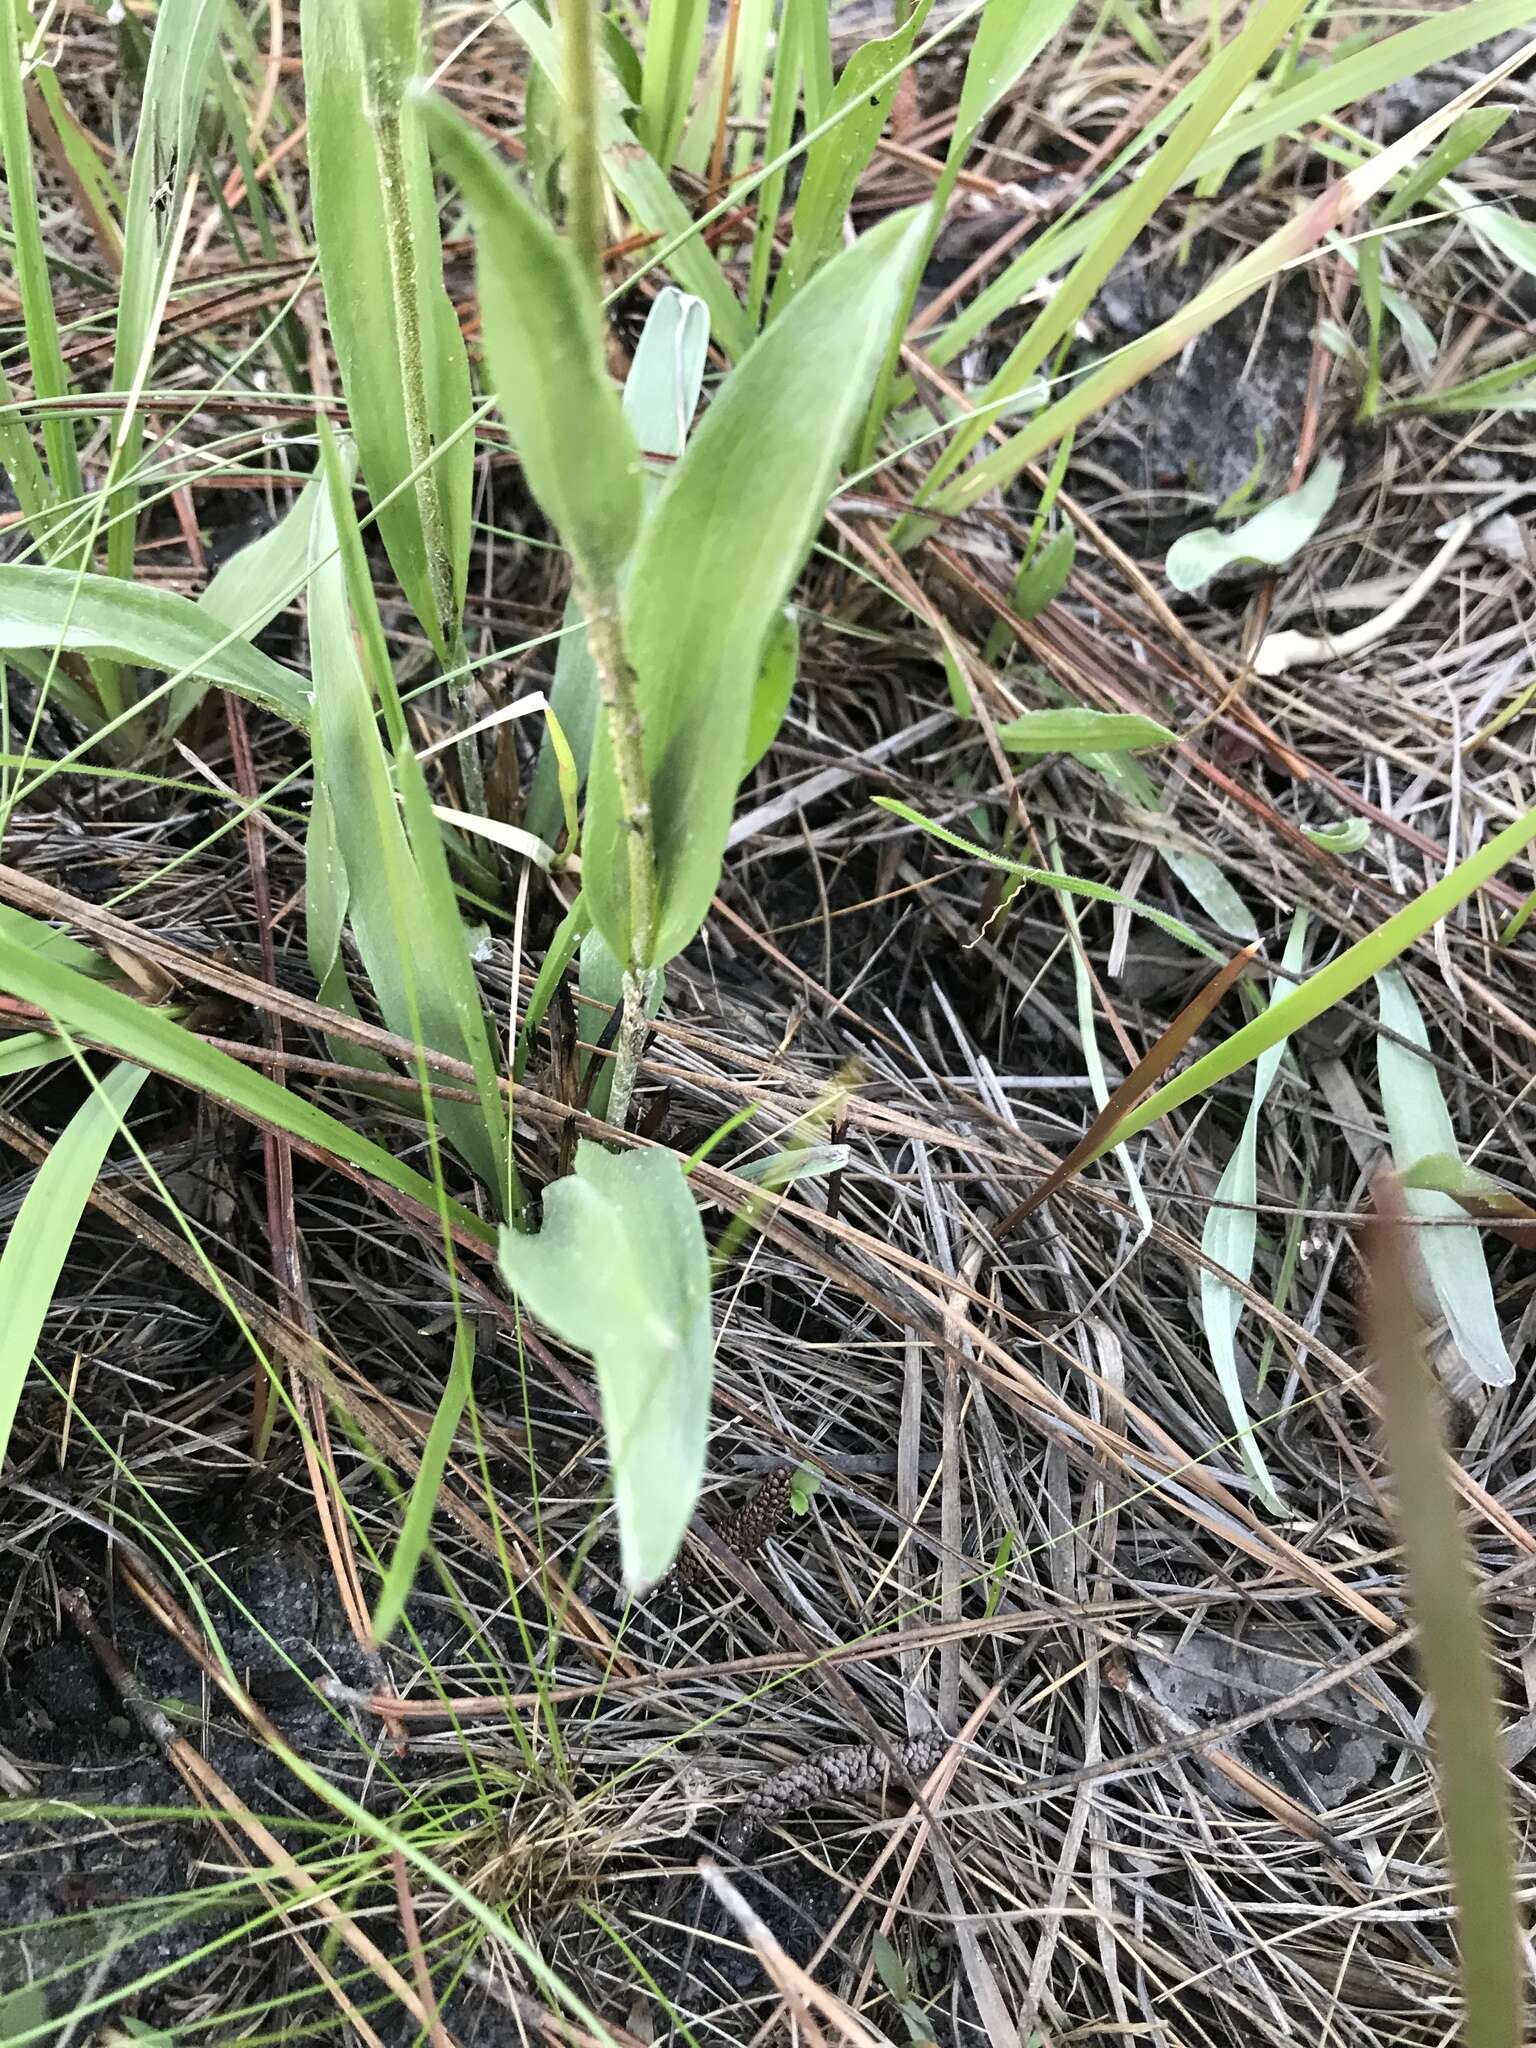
[1037, 1684]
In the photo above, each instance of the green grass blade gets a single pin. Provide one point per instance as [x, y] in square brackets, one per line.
[1453, 1649]
[544, 348]
[40, 1237]
[1009, 37]
[252, 588]
[151, 1039]
[403, 364]
[837, 160]
[417, 1524]
[43, 609]
[674, 37]
[45, 357]
[411, 940]
[164, 158]
[713, 567]
[1331, 984]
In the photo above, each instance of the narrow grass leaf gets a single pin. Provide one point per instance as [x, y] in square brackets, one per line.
[42, 609]
[1043, 577]
[416, 1526]
[151, 1039]
[1478, 1193]
[1453, 1649]
[544, 348]
[837, 160]
[1081, 732]
[45, 355]
[412, 943]
[1230, 1238]
[674, 37]
[1275, 534]
[1419, 1125]
[40, 1237]
[620, 1270]
[164, 159]
[403, 364]
[714, 566]
[1331, 984]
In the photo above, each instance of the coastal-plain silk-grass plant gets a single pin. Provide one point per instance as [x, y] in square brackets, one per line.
[681, 598]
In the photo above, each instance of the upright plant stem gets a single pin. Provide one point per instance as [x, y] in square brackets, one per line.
[597, 589]
[584, 175]
[621, 709]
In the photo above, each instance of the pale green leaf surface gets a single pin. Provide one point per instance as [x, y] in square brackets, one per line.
[674, 38]
[1043, 577]
[415, 961]
[253, 586]
[1080, 732]
[1348, 836]
[416, 1526]
[620, 1270]
[715, 563]
[52, 944]
[544, 348]
[1230, 1237]
[1418, 1124]
[132, 622]
[40, 1237]
[1275, 533]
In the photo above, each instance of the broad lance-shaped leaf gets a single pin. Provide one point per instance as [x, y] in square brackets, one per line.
[715, 561]
[44, 1228]
[41, 609]
[620, 1270]
[544, 346]
[403, 363]
[1419, 1123]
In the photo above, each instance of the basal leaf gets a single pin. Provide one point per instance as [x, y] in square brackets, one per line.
[715, 562]
[620, 1270]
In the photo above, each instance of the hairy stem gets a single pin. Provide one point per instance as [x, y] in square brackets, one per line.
[584, 176]
[626, 735]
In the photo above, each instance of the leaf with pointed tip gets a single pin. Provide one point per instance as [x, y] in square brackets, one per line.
[715, 560]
